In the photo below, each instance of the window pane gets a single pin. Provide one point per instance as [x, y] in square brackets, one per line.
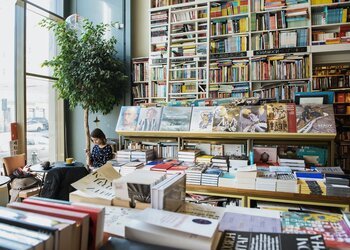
[54, 6]
[40, 42]
[7, 85]
[38, 95]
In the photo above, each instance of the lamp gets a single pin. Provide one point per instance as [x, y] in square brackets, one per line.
[96, 121]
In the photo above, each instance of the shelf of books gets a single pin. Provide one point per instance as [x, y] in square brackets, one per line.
[282, 197]
[140, 89]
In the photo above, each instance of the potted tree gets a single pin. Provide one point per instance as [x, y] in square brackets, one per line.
[88, 72]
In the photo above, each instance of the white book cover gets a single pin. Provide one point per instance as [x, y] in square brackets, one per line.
[149, 119]
[202, 119]
[179, 222]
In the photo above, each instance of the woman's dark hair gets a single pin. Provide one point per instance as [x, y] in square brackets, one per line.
[98, 133]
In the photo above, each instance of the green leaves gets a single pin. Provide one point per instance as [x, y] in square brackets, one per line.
[88, 72]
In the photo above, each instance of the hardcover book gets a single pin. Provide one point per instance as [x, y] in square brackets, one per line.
[248, 240]
[332, 226]
[128, 118]
[202, 119]
[226, 119]
[253, 119]
[315, 119]
[176, 119]
[149, 119]
[277, 117]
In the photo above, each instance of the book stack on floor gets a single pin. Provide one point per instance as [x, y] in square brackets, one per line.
[220, 162]
[170, 193]
[287, 183]
[39, 223]
[171, 229]
[188, 155]
[194, 174]
[266, 181]
[144, 155]
[130, 167]
[124, 155]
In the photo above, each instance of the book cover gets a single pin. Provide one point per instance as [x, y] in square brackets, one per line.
[277, 117]
[292, 117]
[80, 234]
[202, 119]
[315, 119]
[226, 119]
[253, 119]
[149, 119]
[217, 150]
[171, 196]
[331, 226]
[265, 155]
[251, 240]
[96, 216]
[176, 119]
[128, 117]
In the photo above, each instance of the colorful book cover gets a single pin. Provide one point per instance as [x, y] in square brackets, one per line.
[202, 119]
[128, 118]
[277, 117]
[253, 119]
[315, 119]
[250, 240]
[176, 119]
[332, 226]
[265, 155]
[226, 119]
[149, 119]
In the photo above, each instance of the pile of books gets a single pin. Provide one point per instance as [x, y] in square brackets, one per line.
[293, 163]
[220, 162]
[142, 155]
[210, 176]
[124, 155]
[287, 183]
[40, 223]
[312, 187]
[338, 190]
[188, 155]
[266, 181]
[204, 159]
[194, 174]
[246, 179]
[130, 167]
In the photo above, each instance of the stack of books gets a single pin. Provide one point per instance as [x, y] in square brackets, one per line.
[337, 181]
[246, 179]
[194, 174]
[220, 162]
[293, 163]
[188, 155]
[204, 158]
[124, 155]
[287, 183]
[40, 223]
[266, 181]
[170, 193]
[227, 180]
[238, 161]
[338, 190]
[210, 177]
[142, 155]
[312, 187]
[130, 167]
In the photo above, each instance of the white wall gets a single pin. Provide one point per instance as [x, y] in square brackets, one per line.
[140, 28]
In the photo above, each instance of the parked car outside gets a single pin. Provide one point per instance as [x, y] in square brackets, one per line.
[42, 120]
[35, 126]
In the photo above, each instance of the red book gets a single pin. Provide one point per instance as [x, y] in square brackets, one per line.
[14, 134]
[161, 167]
[96, 216]
[292, 118]
[80, 234]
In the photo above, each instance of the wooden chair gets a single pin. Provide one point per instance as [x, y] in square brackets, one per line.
[11, 163]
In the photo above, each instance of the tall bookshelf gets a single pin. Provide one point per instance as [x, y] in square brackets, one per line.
[140, 76]
[241, 48]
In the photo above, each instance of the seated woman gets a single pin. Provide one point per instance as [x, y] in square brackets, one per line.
[101, 152]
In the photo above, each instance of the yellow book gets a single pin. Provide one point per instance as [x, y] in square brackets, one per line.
[344, 16]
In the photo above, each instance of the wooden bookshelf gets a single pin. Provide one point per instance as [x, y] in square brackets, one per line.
[248, 195]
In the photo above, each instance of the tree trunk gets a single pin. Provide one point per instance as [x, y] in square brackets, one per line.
[87, 132]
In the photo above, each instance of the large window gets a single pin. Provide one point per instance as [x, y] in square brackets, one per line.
[41, 104]
[7, 81]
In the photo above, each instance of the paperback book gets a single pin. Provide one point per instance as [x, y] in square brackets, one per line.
[226, 119]
[128, 118]
[202, 119]
[253, 119]
[176, 119]
[149, 119]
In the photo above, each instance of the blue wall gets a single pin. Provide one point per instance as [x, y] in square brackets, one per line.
[99, 11]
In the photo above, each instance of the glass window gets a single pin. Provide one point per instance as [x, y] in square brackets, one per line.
[53, 6]
[7, 80]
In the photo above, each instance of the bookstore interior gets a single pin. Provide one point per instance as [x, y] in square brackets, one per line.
[237, 136]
